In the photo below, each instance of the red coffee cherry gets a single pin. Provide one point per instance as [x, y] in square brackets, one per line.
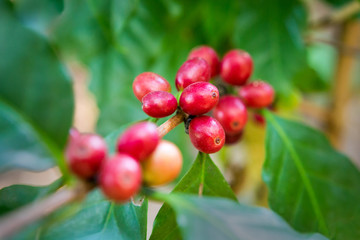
[259, 119]
[231, 139]
[199, 98]
[163, 165]
[231, 113]
[148, 82]
[210, 57]
[159, 104]
[139, 141]
[193, 70]
[120, 177]
[257, 94]
[236, 67]
[206, 134]
[85, 153]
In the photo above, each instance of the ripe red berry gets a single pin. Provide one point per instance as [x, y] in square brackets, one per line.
[206, 134]
[120, 177]
[199, 98]
[231, 139]
[139, 141]
[85, 154]
[259, 119]
[163, 165]
[159, 104]
[236, 67]
[257, 94]
[193, 70]
[148, 82]
[231, 113]
[210, 57]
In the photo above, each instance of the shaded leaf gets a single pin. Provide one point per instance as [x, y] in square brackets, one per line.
[311, 185]
[218, 218]
[16, 196]
[36, 100]
[203, 175]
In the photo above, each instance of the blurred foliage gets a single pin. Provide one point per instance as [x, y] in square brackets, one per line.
[36, 100]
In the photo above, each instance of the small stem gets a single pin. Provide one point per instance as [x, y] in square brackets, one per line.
[14, 221]
[170, 124]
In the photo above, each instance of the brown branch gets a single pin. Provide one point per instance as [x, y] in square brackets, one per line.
[338, 16]
[344, 49]
[170, 124]
[14, 221]
[342, 85]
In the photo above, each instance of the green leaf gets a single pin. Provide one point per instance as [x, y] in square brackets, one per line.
[311, 185]
[203, 175]
[36, 101]
[17, 196]
[308, 80]
[218, 218]
[39, 15]
[271, 31]
[95, 218]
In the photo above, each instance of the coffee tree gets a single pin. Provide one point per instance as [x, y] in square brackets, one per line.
[170, 78]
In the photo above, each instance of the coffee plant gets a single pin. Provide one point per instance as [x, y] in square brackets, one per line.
[172, 80]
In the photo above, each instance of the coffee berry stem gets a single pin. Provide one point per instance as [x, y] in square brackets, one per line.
[16, 220]
[171, 123]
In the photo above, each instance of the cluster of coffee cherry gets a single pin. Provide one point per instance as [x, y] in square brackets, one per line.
[198, 96]
[142, 157]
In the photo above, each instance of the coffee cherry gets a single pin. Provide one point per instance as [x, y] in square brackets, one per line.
[139, 141]
[193, 70]
[163, 165]
[206, 134]
[231, 139]
[210, 57]
[120, 177]
[148, 82]
[159, 104]
[257, 94]
[231, 113]
[85, 154]
[199, 98]
[236, 67]
[259, 119]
